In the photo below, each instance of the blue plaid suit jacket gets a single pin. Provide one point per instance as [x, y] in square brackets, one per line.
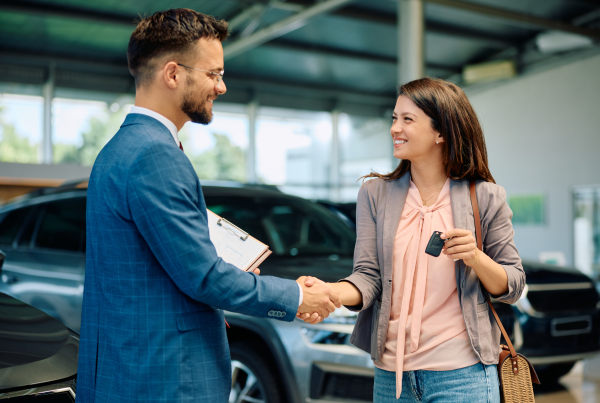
[152, 328]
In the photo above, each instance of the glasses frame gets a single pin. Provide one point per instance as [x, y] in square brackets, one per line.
[219, 75]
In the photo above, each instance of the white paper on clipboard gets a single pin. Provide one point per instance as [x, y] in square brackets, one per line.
[235, 246]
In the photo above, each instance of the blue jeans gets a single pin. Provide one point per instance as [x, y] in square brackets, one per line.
[477, 383]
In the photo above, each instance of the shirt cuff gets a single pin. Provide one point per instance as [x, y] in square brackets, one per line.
[301, 295]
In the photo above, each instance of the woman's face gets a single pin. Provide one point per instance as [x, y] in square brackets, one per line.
[414, 137]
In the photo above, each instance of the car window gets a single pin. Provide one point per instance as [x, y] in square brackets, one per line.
[63, 225]
[11, 222]
[289, 226]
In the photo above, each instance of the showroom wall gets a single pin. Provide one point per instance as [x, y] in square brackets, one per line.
[543, 137]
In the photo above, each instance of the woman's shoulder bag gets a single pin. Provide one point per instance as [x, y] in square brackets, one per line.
[515, 372]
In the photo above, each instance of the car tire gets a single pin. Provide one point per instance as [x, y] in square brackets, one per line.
[252, 377]
[553, 372]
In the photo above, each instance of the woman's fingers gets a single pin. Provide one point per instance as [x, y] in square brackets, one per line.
[459, 240]
[455, 232]
[460, 248]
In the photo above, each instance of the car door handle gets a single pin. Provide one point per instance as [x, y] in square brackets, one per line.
[9, 279]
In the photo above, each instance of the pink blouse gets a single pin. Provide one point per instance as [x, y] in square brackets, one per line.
[425, 303]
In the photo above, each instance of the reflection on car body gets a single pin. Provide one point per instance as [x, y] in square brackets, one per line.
[38, 354]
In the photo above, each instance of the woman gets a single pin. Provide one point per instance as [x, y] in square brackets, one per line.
[424, 319]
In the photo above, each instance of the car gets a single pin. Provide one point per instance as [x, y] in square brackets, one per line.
[555, 323]
[38, 354]
[43, 234]
[346, 211]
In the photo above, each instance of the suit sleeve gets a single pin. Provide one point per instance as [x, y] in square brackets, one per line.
[366, 275]
[165, 203]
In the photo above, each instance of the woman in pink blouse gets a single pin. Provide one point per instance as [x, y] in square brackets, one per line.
[424, 319]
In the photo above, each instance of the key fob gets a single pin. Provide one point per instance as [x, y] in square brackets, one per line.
[435, 244]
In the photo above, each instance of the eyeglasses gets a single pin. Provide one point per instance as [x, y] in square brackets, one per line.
[219, 75]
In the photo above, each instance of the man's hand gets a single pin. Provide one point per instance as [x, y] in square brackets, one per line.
[318, 299]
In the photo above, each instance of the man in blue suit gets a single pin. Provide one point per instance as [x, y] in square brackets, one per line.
[153, 328]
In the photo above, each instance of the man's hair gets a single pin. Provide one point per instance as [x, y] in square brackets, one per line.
[171, 32]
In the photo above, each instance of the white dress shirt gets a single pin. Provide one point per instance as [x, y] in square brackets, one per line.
[173, 129]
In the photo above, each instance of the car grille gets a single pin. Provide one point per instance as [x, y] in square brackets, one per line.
[343, 386]
[551, 301]
[332, 381]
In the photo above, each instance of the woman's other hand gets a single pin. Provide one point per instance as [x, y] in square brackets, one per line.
[462, 245]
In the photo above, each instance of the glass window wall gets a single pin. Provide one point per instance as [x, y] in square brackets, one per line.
[218, 150]
[81, 127]
[365, 147]
[21, 118]
[293, 151]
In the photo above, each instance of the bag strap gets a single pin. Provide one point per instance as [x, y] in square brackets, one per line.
[479, 237]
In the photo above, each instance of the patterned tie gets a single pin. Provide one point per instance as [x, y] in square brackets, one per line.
[181, 146]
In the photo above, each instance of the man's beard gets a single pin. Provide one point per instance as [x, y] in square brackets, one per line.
[197, 113]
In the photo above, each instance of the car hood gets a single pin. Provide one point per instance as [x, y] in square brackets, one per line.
[34, 347]
[327, 268]
[538, 273]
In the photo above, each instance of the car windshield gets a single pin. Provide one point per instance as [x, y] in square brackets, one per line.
[290, 226]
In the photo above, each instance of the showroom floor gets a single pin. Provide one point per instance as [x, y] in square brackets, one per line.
[581, 385]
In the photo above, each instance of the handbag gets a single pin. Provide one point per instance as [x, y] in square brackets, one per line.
[515, 372]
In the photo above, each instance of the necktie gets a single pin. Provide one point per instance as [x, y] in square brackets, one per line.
[181, 146]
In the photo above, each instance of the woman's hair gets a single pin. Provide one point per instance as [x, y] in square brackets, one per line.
[451, 113]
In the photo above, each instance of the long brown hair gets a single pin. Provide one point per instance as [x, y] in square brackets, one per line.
[451, 113]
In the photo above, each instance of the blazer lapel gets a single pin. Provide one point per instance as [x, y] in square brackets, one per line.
[459, 196]
[461, 207]
[395, 199]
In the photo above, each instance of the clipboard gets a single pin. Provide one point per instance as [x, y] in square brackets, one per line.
[234, 245]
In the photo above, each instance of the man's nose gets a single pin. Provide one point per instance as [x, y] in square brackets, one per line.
[221, 88]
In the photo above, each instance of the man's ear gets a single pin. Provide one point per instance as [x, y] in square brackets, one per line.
[171, 75]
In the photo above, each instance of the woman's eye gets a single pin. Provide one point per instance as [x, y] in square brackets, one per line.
[407, 118]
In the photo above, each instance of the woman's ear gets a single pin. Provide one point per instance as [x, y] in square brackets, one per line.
[439, 138]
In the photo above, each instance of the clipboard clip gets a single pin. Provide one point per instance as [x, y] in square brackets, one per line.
[244, 235]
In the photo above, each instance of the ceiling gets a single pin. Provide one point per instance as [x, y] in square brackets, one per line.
[296, 53]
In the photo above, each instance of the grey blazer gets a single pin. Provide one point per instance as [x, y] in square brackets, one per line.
[379, 207]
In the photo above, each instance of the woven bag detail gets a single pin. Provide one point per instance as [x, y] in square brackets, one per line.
[516, 388]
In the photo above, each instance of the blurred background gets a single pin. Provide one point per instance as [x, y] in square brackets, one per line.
[311, 88]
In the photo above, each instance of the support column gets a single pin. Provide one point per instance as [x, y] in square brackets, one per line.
[251, 110]
[48, 94]
[411, 36]
[334, 160]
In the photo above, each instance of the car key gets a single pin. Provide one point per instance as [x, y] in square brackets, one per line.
[435, 244]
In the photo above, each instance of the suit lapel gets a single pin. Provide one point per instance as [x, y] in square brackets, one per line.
[395, 199]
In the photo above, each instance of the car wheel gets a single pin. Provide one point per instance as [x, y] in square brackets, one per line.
[252, 380]
[553, 372]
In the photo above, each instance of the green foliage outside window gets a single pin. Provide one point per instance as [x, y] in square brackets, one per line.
[15, 147]
[100, 131]
[528, 209]
[225, 161]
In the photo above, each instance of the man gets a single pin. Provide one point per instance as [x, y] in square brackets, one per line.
[152, 326]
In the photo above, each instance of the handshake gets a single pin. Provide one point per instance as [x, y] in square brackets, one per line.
[319, 300]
